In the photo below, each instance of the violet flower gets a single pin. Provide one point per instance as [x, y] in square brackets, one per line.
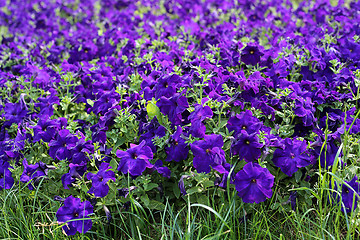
[208, 154]
[292, 157]
[60, 147]
[178, 149]
[247, 147]
[33, 172]
[173, 107]
[244, 121]
[254, 183]
[99, 180]
[166, 86]
[80, 149]
[197, 117]
[304, 109]
[181, 184]
[164, 171]
[6, 179]
[348, 196]
[74, 209]
[135, 160]
[76, 172]
[251, 54]
[14, 113]
[45, 130]
[292, 199]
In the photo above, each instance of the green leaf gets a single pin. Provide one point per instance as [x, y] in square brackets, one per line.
[208, 183]
[145, 199]
[84, 188]
[202, 199]
[150, 186]
[109, 199]
[275, 206]
[176, 191]
[298, 175]
[90, 102]
[113, 163]
[196, 189]
[118, 143]
[156, 205]
[153, 111]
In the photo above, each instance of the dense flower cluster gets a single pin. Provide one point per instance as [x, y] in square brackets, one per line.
[150, 96]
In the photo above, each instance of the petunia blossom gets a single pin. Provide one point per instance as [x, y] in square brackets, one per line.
[197, 117]
[33, 172]
[251, 54]
[178, 149]
[247, 146]
[6, 179]
[60, 148]
[208, 154]
[244, 121]
[135, 160]
[348, 196]
[75, 209]
[99, 180]
[173, 107]
[254, 183]
[292, 157]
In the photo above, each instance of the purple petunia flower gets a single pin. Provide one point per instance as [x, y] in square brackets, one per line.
[349, 48]
[33, 172]
[6, 179]
[76, 172]
[348, 195]
[60, 148]
[208, 153]
[45, 104]
[75, 209]
[292, 157]
[182, 184]
[247, 147]
[304, 109]
[45, 129]
[244, 121]
[135, 159]
[173, 107]
[80, 149]
[254, 183]
[14, 113]
[251, 54]
[99, 180]
[166, 86]
[292, 199]
[105, 101]
[98, 133]
[178, 150]
[124, 192]
[328, 153]
[150, 131]
[197, 117]
[164, 171]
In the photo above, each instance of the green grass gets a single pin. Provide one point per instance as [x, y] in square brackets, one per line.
[24, 216]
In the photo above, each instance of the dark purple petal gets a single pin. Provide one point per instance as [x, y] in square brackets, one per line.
[254, 183]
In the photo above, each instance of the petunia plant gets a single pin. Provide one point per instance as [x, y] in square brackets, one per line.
[111, 105]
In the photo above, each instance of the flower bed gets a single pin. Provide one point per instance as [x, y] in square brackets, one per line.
[176, 101]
